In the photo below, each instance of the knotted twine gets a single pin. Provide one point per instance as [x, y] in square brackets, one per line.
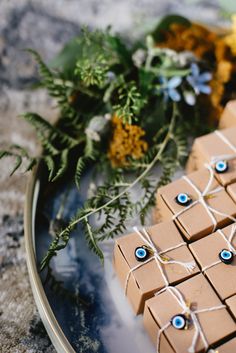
[229, 244]
[202, 196]
[193, 314]
[157, 256]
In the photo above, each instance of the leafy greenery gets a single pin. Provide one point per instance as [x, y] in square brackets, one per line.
[98, 78]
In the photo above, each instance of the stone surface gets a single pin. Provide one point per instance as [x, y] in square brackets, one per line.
[46, 25]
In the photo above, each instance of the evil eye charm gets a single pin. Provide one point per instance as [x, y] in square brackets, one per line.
[221, 167]
[179, 322]
[141, 253]
[183, 199]
[226, 256]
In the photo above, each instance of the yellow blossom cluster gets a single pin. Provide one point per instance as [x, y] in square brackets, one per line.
[216, 50]
[230, 39]
[127, 141]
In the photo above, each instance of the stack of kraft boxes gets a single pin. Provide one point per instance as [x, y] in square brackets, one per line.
[181, 272]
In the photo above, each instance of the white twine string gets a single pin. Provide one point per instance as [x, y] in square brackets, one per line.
[224, 157]
[202, 199]
[194, 318]
[189, 266]
[229, 244]
[226, 141]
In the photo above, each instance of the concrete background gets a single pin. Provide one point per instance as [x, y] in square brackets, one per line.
[45, 25]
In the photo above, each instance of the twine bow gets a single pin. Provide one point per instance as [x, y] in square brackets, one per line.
[158, 257]
[193, 314]
[202, 197]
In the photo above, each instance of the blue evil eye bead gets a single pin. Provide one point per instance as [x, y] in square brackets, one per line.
[183, 199]
[179, 322]
[221, 167]
[141, 253]
[226, 256]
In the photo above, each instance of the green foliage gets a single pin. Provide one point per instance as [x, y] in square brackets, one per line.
[96, 74]
[18, 153]
[56, 145]
[92, 71]
[57, 86]
[130, 102]
[165, 24]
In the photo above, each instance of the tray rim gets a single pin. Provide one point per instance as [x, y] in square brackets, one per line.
[49, 320]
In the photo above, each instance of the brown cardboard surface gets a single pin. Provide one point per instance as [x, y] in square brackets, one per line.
[206, 251]
[147, 279]
[231, 189]
[195, 222]
[210, 145]
[216, 325]
[231, 304]
[228, 118]
[228, 347]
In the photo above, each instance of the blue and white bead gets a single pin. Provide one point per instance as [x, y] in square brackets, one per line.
[226, 256]
[221, 167]
[179, 322]
[183, 199]
[141, 253]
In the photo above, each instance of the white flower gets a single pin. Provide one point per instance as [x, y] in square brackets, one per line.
[185, 58]
[139, 57]
[92, 135]
[91, 190]
[96, 126]
[107, 116]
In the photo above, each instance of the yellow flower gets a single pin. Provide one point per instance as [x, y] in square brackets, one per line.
[224, 71]
[126, 142]
[231, 38]
[214, 49]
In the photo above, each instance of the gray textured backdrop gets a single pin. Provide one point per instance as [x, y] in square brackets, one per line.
[46, 25]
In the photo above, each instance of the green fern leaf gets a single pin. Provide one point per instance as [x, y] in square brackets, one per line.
[63, 165]
[79, 170]
[91, 239]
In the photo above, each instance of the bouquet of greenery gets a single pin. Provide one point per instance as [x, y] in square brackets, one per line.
[126, 108]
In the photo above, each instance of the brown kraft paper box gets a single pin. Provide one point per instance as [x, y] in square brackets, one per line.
[195, 222]
[211, 145]
[228, 347]
[231, 304]
[216, 324]
[147, 279]
[206, 251]
[228, 118]
[231, 189]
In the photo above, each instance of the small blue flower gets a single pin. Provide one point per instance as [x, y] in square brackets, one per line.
[168, 88]
[198, 81]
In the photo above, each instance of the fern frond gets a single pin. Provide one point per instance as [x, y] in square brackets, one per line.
[63, 164]
[92, 242]
[50, 165]
[19, 154]
[79, 170]
[58, 88]
[47, 132]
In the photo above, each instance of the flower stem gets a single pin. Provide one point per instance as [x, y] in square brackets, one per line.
[70, 227]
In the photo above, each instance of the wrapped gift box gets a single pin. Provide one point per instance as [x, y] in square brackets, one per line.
[231, 304]
[228, 347]
[194, 218]
[228, 118]
[172, 329]
[208, 253]
[212, 149]
[141, 283]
